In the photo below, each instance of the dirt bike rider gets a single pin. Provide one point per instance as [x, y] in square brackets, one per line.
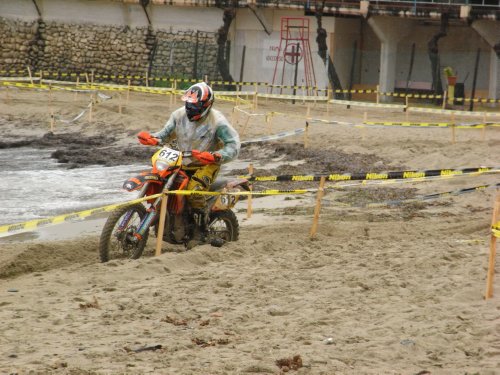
[208, 135]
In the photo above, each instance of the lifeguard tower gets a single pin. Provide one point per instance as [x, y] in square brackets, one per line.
[294, 51]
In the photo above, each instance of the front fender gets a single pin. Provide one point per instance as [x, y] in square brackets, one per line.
[137, 182]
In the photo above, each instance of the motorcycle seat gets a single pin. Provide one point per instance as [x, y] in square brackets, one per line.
[218, 185]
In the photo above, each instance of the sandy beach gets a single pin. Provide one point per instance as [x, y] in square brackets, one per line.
[379, 290]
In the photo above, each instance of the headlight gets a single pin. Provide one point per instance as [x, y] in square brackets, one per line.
[161, 165]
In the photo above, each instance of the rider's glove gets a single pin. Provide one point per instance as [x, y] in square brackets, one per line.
[147, 139]
[206, 157]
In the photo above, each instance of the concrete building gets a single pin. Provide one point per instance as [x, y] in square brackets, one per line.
[370, 42]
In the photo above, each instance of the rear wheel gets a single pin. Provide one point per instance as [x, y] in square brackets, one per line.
[223, 225]
[118, 235]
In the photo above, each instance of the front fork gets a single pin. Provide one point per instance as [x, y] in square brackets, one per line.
[153, 211]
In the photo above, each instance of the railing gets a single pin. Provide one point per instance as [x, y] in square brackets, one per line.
[349, 3]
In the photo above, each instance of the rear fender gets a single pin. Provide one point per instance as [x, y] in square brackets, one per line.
[226, 202]
[137, 182]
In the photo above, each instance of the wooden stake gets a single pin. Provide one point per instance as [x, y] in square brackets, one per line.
[29, 72]
[163, 214]
[50, 94]
[87, 78]
[233, 117]
[255, 104]
[483, 130]
[493, 249]
[76, 91]
[7, 96]
[317, 208]
[128, 91]
[52, 122]
[378, 94]
[249, 207]
[174, 97]
[269, 124]
[306, 136]
[147, 79]
[51, 109]
[91, 107]
[453, 130]
[245, 127]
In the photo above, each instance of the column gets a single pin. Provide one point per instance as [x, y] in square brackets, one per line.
[389, 30]
[490, 31]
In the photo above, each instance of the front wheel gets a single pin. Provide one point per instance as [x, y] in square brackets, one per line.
[223, 225]
[118, 238]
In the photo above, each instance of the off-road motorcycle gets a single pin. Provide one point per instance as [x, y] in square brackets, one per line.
[127, 229]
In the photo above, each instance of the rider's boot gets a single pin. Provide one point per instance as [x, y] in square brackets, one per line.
[200, 231]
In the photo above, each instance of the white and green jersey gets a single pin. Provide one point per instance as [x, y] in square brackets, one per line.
[213, 133]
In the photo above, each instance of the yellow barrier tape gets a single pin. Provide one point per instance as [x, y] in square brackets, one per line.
[443, 173]
[34, 224]
[429, 124]
[437, 124]
[366, 104]
[9, 229]
[235, 83]
[495, 229]
[453, 112]
[403, 95]
[349, 183]
[25, 85]
[294, 97]
[261, 192]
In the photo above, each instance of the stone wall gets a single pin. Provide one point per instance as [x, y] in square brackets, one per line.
[106, 50]
[190, 54]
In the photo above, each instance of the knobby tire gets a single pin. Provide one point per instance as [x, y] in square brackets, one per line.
[107, 235]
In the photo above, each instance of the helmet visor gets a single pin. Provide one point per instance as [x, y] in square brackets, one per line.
[194, 110]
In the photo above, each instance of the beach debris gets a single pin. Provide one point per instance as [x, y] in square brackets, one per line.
[90, 305]
[59, 364]
[12, 290]
[407, 342]
[204, 323]
[205, 343]
[329, 341]
[146, 348]
[143, 348]
[175, 321]
[287, 364]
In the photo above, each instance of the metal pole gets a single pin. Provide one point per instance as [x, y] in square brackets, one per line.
[195, 67]
[351, 79]
[473, 93]
[412, 58]
[296, 57]
[242, 63]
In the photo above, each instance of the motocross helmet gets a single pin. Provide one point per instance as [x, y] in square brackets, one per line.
[199, 99]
